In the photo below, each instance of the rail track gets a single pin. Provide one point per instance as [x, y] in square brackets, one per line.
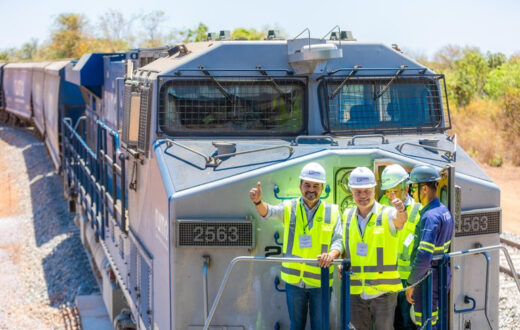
[514, 250]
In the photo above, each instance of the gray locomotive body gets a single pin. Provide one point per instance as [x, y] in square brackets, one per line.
[172, 139]
[226, 114]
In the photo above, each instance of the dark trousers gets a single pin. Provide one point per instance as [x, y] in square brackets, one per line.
[299, 300]
[378, 311]
[402, 319]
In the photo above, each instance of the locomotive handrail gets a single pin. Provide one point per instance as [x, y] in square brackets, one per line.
[450, 154]
[339, 34]
[236, 260]
[179, 72]
[364, 136]
[481, 250]
[314, 137]
[170, 143]
[308, 33]
[421, 70]
[217, 159]
[80, 119]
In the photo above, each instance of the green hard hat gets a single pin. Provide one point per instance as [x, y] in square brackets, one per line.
[424, 173]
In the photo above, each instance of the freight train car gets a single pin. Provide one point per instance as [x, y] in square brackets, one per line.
[172, 139]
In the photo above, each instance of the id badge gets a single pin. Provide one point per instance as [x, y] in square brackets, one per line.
[408, 240]
[362, 249]
[305, 241]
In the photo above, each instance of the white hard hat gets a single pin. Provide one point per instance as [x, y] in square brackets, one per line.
[313, 172]
[362, 177]
[392, 176]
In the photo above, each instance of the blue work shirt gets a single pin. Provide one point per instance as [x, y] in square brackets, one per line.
[435, 230]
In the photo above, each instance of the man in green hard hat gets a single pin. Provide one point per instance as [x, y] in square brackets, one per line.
[394, 182]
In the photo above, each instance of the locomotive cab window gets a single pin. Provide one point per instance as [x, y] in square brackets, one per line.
[381, 105]
[232, 107]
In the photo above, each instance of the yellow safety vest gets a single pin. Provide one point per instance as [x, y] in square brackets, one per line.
[405, 242]
[295, 227]
[373, 256]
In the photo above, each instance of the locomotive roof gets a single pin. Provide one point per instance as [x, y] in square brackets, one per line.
[248, 55]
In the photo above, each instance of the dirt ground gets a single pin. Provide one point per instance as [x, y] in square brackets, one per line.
[508, 179]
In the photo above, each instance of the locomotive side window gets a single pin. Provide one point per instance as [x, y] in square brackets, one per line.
[233, 107]
[381, 104]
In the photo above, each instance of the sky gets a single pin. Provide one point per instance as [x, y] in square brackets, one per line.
[419, 26]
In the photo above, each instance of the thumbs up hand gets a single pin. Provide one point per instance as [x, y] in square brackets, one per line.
[398, 203]
[255, 194]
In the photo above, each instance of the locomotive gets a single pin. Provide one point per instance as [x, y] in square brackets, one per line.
[159, 147]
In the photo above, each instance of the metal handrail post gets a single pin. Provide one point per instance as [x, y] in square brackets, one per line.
[345, 294]
[426, 312]
[443, 293]
[325, 298]
[248, 258]
[484, 249]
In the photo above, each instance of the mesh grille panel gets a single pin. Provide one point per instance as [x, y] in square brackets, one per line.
[382, 104]
[144, 118]
[133, 271]
[126, 113]
[478, 222]
[232, 106]
[218, 234]
[145, 289]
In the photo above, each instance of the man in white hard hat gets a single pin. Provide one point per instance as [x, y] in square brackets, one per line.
[394, 182]
[370, 241]
[312, 229]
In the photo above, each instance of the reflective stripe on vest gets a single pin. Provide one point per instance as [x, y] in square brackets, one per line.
[435, 317]
[324, 221]
[377, 271]
[403, 251]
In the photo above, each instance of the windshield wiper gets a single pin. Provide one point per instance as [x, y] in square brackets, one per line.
[221, 88]
[399, 71]
[353, 72]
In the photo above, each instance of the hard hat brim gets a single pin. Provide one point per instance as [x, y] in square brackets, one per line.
[372, 185]
[312, 179]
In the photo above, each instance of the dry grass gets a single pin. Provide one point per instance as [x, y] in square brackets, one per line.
[479, 128]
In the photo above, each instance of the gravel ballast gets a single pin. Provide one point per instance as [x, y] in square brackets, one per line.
[43, 264]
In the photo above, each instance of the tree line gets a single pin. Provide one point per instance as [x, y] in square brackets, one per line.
[484, 94]
[73, 35]
[483, 88]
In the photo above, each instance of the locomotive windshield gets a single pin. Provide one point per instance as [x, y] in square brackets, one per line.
[233, 107]
[381, 105]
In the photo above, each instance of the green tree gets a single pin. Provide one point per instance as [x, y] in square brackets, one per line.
[503, 80]
[470, 76]
[69, 37]
[495, 59]
[29, 50]
[200, 33]
[247, 34]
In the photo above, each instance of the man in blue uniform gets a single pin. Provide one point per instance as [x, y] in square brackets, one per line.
[434, 232]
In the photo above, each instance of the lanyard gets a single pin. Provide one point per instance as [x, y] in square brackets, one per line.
[305, 225]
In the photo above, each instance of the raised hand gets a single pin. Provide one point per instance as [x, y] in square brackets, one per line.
[255, 194]
[398, 203]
